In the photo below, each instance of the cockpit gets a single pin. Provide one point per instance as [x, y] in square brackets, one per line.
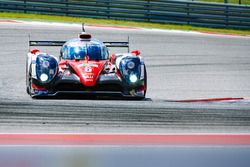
[77, 49]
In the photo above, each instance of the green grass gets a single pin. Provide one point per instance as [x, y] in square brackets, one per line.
[243, 2]
[39, 17]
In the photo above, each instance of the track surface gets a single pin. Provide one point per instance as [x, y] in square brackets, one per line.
[179, 65]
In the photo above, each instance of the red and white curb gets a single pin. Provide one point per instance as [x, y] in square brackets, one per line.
[225, 35]
[124, 139]
[114, 27]
[70, 25]
[215, 99]
[121, 28]
[9, 21]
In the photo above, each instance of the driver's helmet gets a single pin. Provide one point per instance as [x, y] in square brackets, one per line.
[77, 52]
[77, 49]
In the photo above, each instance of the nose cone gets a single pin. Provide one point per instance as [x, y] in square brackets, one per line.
[88, 72]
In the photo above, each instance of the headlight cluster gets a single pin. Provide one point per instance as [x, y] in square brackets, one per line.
[130, 69]
[46, 68]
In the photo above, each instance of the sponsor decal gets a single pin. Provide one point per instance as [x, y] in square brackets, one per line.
[88, 77]
[142, 72]
[125, 72]
[45, 64]
[51, 72]
[88, 65]
[109, 75]
[41, 92]
[67, 73]
[132, 92]
[139, 93]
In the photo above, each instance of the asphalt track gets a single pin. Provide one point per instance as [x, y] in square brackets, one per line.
[180, 66]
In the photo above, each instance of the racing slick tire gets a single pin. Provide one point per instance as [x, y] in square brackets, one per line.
[28, 81]
[145, 85]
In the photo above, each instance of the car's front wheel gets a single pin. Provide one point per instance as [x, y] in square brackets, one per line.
[28, 82]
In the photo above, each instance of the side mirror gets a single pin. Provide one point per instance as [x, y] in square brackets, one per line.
[135, 52]
[34, 51]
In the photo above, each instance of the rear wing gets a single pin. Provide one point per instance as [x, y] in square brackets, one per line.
[46, 43]
[117, 44]
[60, 43]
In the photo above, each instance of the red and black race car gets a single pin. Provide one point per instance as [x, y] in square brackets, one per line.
[85, 67]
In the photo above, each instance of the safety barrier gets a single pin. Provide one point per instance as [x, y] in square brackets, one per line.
[160, 11]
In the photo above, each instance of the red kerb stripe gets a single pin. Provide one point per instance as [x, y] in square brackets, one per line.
[115, 27]
[8, 21]
[210, 100]
[124, 139]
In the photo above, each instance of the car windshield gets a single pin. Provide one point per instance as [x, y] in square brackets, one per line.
[95, 51]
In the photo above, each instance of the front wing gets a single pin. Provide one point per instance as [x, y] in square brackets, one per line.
[107, 86]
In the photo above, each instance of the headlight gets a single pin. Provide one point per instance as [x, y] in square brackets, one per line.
[133, 78]
[44, 77]
[130, 65]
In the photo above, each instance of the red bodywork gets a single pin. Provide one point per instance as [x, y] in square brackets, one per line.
[87, 71]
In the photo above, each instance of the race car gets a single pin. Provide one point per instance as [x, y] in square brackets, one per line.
[85, 67]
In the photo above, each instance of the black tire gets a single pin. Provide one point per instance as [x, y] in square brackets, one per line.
[28, 81]
[145, 81]
[27, 90]
[145, 84]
